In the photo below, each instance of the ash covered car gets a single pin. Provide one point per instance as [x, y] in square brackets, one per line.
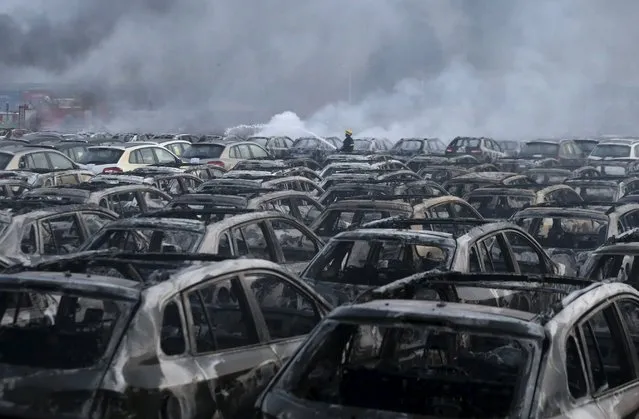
[564, 153]
[605, 188]
[431, 356]
[149, 339]
[31, 229]
[446, 207]
[266, 235]
[343, 191]
[483, 148]
[349, 214]
[466, 183]
[503, 202]
[386, 250]
[571, 232]
[299, 205]
[125, 199]
[616, 258]
[411, 147]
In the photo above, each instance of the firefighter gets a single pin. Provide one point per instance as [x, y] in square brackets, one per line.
[348, 144]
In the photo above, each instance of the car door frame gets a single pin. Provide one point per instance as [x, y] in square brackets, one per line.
[503, 242]
[318, 242]
[142, 202]
[273, 248]
[608, 400]
[83, 227]
[285, 347]
[40, 231]
[262, 350]
[544, 259]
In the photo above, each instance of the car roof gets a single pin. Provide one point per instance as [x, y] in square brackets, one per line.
[65, 281]
[396, 234]
[501, 191]
[547, 140]
[500, 320]
[157, 223]
[628, 249]
[559, 211]
[490, 176]
[218, 143]
[197, 272]
[619, 141]
[368, 204]
[125, 146]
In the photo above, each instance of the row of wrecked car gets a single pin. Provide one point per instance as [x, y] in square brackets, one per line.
[285, 288]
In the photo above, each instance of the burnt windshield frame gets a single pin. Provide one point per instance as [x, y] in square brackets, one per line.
[342, 249]
[539, 148]
[611, 150]
[104, 235]
[101, 155]
[316, 345]
[203, 151]
[62, 327]
[535, 225]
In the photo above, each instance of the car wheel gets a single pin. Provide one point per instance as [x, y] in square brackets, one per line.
[171, 408]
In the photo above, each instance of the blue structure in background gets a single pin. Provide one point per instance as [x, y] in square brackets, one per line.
[12, 97]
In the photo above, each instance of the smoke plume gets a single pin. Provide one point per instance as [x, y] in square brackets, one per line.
[506, 68]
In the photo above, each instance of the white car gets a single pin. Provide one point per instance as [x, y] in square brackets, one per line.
[126, 157]
[619, 148]
[224, 154]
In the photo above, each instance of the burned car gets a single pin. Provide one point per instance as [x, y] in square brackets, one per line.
[603, 189]
[386, 250]
[343, 191]
[548, 176]
[464, 184]
[570, 233]
[503, 202]
[429, 356]
[122, 198]
[299, 205]
[448, 207]
[39, 228]
[226, 232]
[563, 153]
[135, 345]
[484, 149]
[349, 214]
[616, 258]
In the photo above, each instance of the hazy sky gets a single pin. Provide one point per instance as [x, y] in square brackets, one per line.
[509, 68]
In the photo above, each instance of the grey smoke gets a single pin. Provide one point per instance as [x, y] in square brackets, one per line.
[508, 68]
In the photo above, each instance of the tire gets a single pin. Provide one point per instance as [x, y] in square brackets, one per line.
[170, 408]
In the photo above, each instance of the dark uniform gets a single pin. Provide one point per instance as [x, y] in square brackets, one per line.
[348, 144]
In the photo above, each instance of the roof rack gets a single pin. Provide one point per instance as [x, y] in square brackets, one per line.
[237, 190]
[208, 215]
[126, 262]
[523, 187]
[630, 236]
[394, 197]
[401, 222]
[583, 204]
[601, 177]
[450, 282]
[21, 205]
[54, 196]
[216, 201]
